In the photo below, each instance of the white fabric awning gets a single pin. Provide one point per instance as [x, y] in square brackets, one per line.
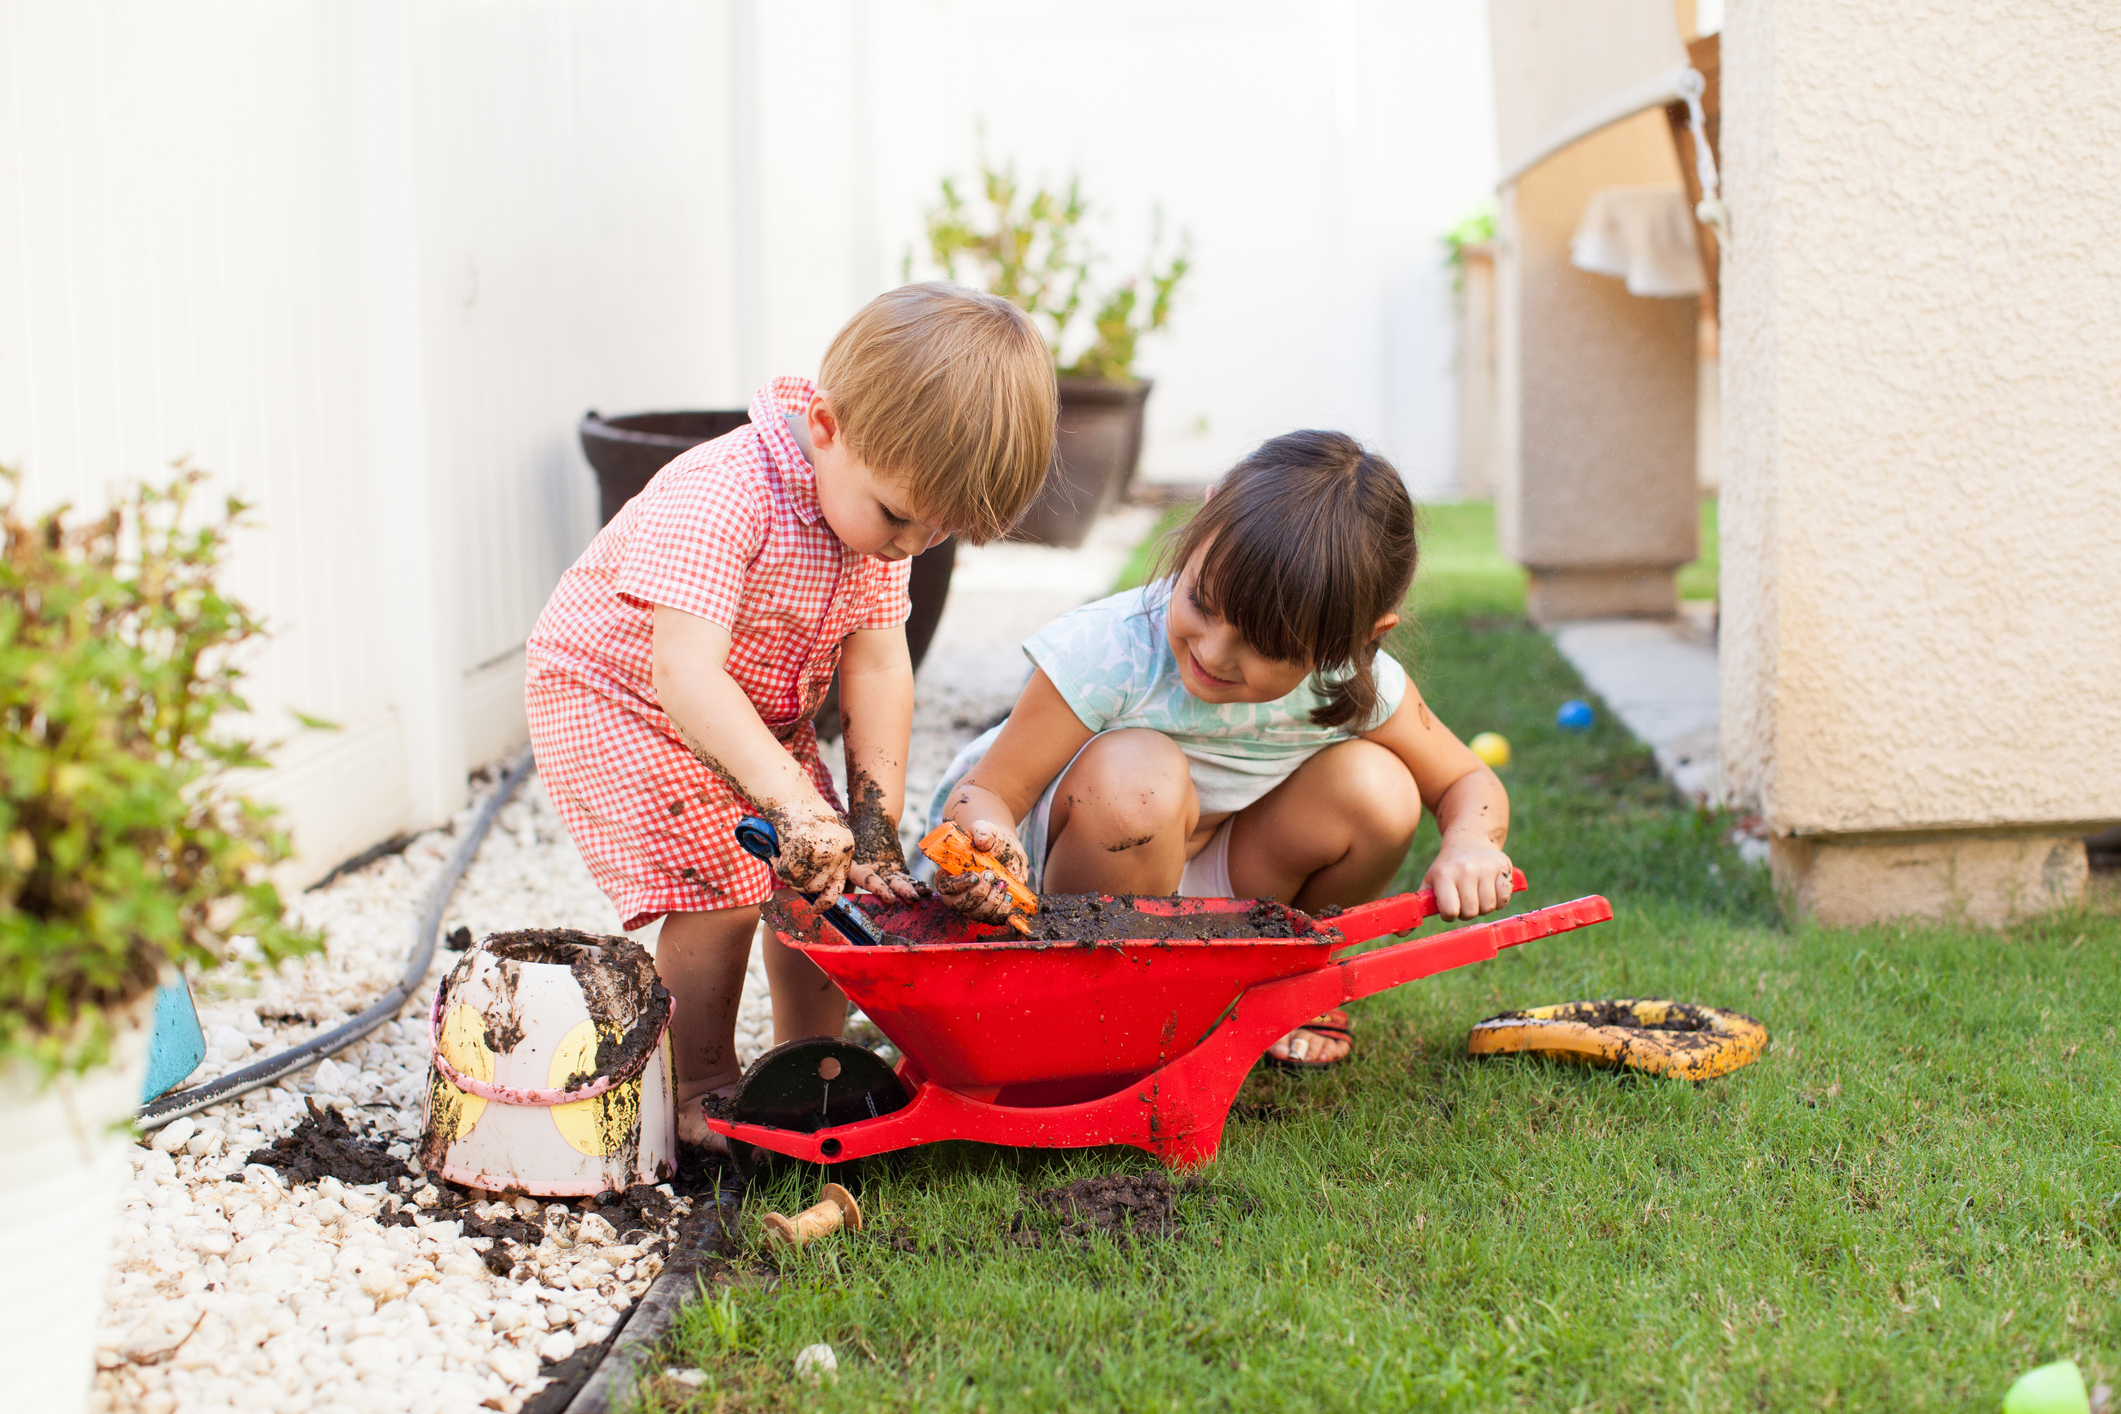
[1566, 68]
[1643, 235]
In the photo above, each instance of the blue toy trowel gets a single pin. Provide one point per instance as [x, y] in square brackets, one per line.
[762, 841]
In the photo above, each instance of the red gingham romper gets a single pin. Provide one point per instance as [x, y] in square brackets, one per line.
[730, 531]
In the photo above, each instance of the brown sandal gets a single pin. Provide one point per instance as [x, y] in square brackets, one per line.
[1332, 1023]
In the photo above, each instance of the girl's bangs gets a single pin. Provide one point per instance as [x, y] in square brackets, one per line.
[1272, 579]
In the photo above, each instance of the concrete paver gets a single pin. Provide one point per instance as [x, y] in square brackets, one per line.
[1659, 678]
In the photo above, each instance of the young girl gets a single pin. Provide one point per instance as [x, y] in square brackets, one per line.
[1231, 730]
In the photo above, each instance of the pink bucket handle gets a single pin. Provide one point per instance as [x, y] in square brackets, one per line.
[508, 1094]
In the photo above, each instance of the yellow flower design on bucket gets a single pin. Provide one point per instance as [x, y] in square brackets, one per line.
[600, 1125]
[463, 1046]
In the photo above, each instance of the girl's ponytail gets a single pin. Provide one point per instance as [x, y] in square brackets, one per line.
[1304, 546]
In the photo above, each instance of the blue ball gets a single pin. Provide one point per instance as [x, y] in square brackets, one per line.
[1575, 716]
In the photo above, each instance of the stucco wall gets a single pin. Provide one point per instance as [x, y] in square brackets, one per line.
[1595, 467]
[1921, 510]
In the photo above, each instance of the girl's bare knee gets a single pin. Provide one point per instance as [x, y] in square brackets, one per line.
[1128, 782]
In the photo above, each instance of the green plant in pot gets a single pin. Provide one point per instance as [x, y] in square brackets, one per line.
[126, 852]
[1030, 246]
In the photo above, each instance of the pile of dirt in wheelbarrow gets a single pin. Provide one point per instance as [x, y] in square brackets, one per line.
[1091, 918]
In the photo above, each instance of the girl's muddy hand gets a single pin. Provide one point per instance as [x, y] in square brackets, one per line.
[817, 850]
[886, 881]
[982, 896]
[990, 838]
[985, 895]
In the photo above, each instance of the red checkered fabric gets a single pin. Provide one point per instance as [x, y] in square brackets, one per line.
[730, 531]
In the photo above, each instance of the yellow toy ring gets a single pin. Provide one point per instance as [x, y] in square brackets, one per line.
[1662, 1037]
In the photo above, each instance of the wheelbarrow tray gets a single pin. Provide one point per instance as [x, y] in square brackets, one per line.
[996, 1017]
[1137, 1041]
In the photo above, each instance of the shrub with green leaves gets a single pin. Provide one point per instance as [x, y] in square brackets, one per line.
[123, 845]
[1029, 247]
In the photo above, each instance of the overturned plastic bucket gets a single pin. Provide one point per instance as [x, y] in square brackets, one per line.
[550, 1070]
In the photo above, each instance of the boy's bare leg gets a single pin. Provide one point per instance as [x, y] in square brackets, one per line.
[1121, 817]
[805, 1002]
[1335, 832]
[701, 958]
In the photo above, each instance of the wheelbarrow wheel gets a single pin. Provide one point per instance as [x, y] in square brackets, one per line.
[816, 1082]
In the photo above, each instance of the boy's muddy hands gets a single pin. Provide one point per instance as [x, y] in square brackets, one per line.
[1469, 877]
[887, 879]
[983, 895]
[817, 850]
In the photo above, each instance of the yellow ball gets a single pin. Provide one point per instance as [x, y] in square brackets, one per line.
[1491, 748]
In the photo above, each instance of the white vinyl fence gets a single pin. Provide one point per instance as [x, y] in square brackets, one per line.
[370, 262]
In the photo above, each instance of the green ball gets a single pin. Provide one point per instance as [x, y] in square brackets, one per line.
[2051, 1389]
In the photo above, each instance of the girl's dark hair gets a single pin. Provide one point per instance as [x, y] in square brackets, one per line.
[1304, 546]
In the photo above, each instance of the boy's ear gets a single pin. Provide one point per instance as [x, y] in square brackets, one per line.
[823, 421]
[1385, 624]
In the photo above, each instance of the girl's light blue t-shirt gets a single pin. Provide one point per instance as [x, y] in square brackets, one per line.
[1113, 666]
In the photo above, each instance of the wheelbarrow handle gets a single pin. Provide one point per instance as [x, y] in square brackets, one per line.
[1402, 913]
[1374, 971]
[762, 842]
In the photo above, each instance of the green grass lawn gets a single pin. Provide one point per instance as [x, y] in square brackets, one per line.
[1698, 580]
[1913, 1196]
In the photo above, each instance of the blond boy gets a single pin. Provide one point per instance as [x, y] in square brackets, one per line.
[674, 673]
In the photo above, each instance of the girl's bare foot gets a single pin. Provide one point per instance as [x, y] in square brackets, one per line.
[1316, 1045]
[693, 1100]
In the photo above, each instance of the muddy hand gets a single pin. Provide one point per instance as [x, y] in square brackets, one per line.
[817, 850]
[985, 895]
[887, 879]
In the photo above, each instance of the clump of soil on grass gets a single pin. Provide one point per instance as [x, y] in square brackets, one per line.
[324, 1143]
[1127, 1207]
[1068, 918]
[1258, 1112]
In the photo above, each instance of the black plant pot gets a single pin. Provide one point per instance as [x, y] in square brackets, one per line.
[627, 452]
[1098, 447]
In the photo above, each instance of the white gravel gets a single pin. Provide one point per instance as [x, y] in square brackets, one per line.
[232, 1289]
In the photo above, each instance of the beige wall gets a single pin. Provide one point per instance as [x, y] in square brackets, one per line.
[1595, 466]
[1921, 507]
[1477, 411]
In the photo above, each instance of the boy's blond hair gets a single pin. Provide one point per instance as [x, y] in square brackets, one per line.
[954, 391]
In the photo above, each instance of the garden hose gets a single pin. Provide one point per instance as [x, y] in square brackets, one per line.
[426, 933]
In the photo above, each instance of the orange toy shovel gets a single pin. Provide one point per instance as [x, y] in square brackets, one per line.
[951, 849]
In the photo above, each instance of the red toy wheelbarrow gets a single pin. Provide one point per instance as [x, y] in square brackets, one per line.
[1140, 1041]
